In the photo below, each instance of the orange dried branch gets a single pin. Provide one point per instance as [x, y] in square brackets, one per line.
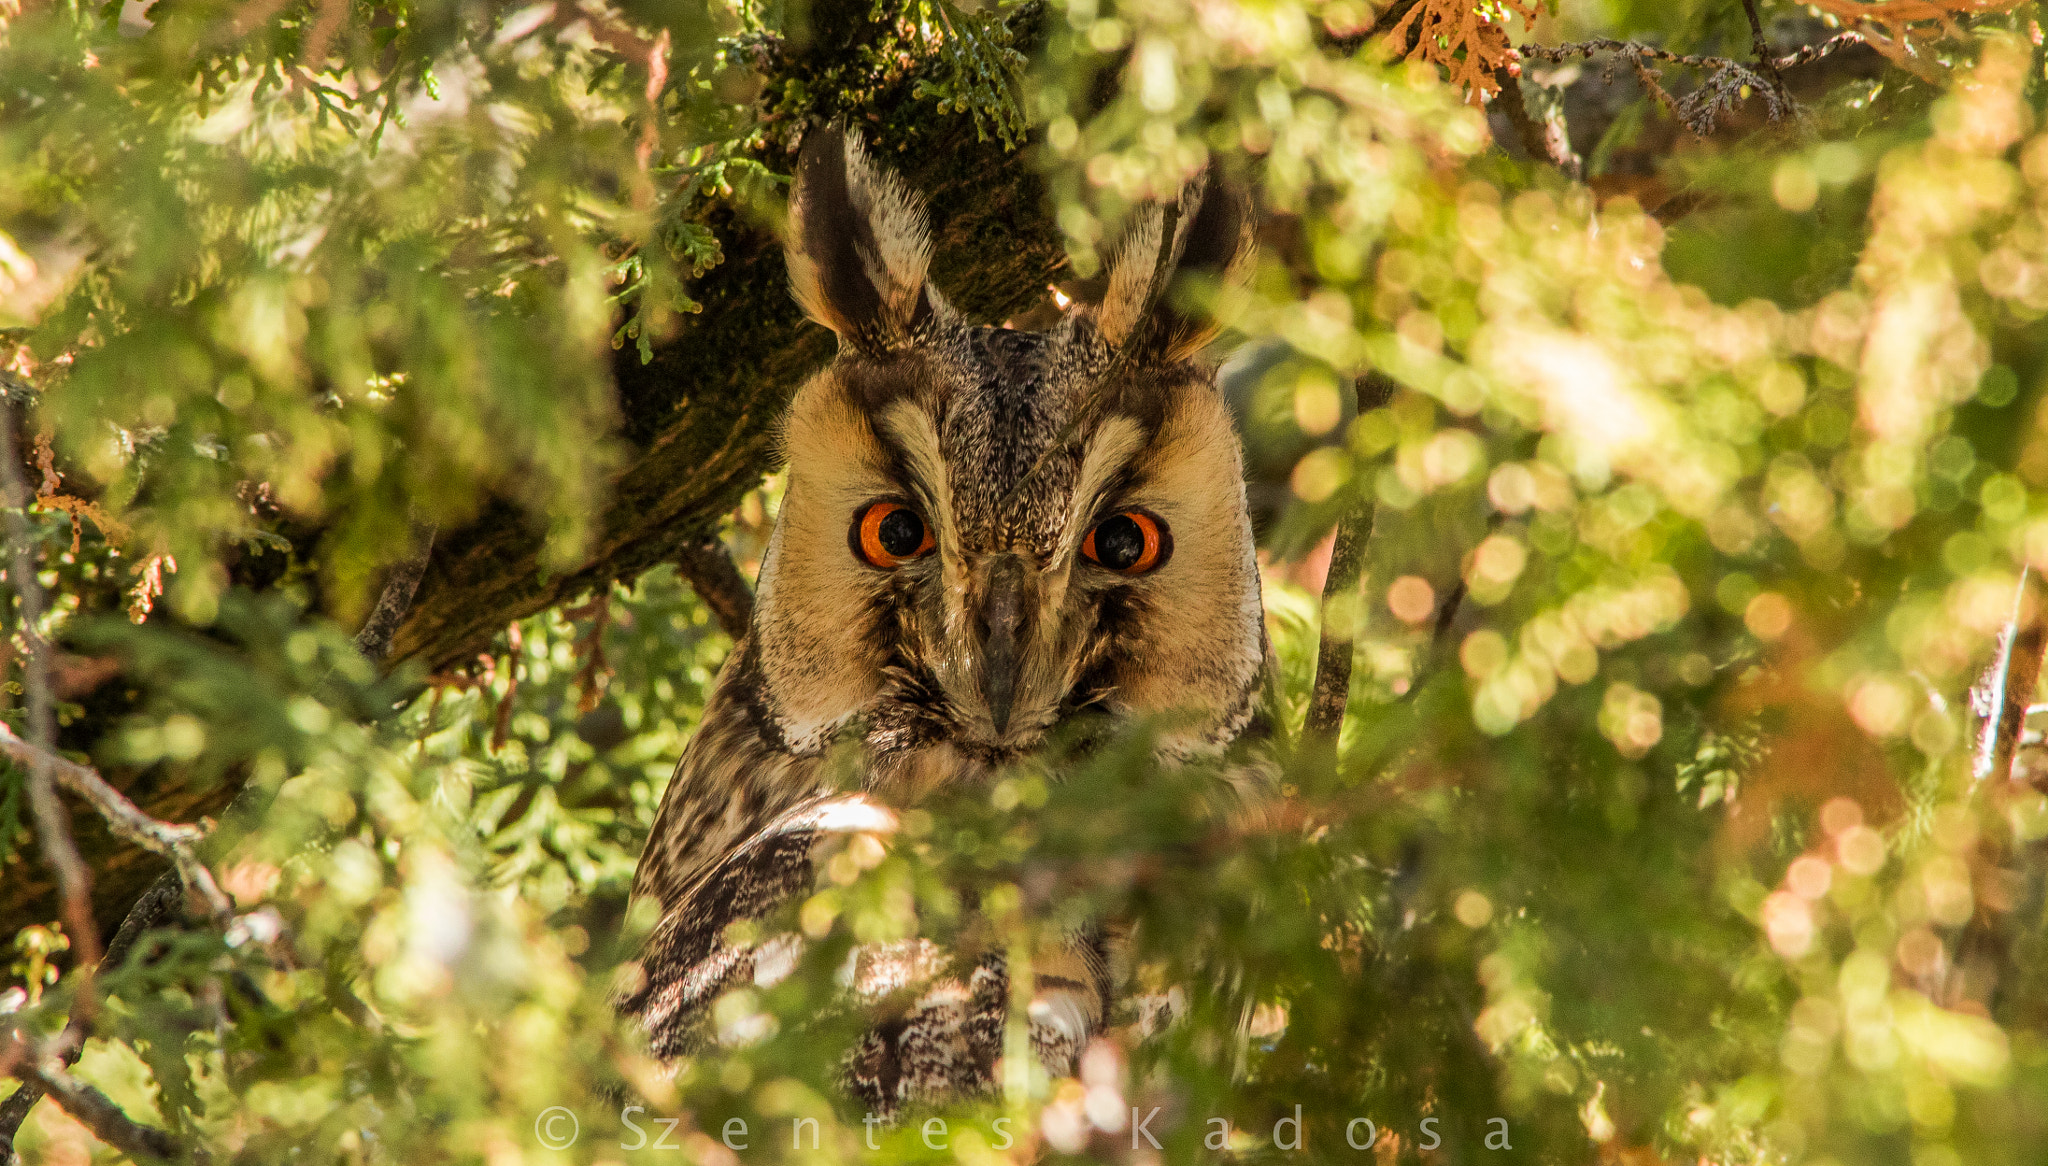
[143, 596]
[596, 671]
[1467, 40]
[49, 495]
[1899, 18]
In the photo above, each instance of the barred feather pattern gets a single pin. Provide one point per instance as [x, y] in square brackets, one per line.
[735, 839]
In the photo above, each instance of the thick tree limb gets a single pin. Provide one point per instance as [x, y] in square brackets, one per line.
[709, 568]
[1334, 650]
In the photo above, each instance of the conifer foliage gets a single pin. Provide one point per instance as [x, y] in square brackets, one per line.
[1672, 380]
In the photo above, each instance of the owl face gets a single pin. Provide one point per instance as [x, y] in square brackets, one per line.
[988, 531]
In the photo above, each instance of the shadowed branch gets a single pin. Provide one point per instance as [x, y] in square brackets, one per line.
[53, 824]
[395, 600]
[159, 906]
[708, 567]
[1340, 588]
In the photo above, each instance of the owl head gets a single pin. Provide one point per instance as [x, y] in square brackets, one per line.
[988, 531]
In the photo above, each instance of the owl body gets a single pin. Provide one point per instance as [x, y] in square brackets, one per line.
[985, 534]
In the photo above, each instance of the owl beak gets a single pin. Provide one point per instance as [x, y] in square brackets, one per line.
[1001, 624]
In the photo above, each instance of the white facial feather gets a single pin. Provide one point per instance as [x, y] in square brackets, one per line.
[1111, 448]
[1201, 644]
[903, 248]
[810, 582]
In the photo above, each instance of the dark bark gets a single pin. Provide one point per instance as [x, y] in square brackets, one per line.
[708, 565]
[1332, 691]
[395, 600]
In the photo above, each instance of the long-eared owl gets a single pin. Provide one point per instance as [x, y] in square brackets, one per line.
[985, 532]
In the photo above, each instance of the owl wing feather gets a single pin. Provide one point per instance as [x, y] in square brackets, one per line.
[688, 962]
[730, 785]
[731, 842]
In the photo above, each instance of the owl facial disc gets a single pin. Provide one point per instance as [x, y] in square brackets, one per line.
[989, 532]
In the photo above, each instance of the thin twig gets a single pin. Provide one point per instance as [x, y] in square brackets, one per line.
[708, 567]
[1648, 79]
[1805, 54]
[1702, 109]
[374, 639]
[169, 839]
[1765, 62]
[53, 826]
[1446, 615]
[93, 1109]
[159, 904]
[1332, 692]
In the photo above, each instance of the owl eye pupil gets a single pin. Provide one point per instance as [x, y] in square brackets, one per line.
[1119, 543]
[901, 533]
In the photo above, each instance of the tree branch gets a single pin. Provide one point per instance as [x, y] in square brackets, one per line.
[1702, 109]
[93, 1109]
[1764, 61]
[374, 640]
[1332, 692]
[158, 905]
[169, 839]
[708, 567]
[53, 825]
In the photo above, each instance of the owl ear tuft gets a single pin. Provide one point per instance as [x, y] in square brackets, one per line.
[1215, 239]
[857, 245]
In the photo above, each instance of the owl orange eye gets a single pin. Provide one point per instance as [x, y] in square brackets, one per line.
[1129, 543]
[889, 534]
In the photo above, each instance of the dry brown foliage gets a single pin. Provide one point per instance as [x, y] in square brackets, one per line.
[49, 495]
[596, 671]
[1467, 41]
[149, 585]
[1904, 22]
